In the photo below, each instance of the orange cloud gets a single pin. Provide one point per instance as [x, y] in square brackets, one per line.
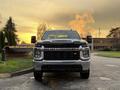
[80, 23]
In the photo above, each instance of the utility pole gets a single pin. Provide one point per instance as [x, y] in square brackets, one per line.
[0, 19]
[99, 33]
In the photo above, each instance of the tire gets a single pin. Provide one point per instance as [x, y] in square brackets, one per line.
[85, 74]
[38, 75]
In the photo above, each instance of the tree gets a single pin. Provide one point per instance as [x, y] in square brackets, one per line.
[114, 33]
[23, 42]
[2, 40]
[41, 29]
[10, 32]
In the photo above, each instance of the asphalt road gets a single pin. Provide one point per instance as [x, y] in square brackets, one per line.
[105, 75]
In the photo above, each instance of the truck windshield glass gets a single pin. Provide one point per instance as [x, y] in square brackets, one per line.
[61, 34]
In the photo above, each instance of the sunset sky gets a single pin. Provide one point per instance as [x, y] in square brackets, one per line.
[83, 15]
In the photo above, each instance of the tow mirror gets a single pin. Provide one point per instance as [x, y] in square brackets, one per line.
[33, 39]
[89, 39]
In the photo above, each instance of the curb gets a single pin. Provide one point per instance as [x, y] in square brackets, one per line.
[25, 71]
[105, 56]
[17, 73]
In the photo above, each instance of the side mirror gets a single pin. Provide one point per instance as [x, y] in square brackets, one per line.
[33, 39]
[89, 39]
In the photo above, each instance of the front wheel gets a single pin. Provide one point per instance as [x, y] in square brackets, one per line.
[85, 74]
[38, 75]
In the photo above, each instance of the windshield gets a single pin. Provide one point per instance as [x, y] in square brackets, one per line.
[61, 34]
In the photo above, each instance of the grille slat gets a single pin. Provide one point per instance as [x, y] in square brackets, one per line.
[61, 55]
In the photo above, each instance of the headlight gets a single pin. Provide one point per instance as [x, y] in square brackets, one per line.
[37, 53]
[85, 54]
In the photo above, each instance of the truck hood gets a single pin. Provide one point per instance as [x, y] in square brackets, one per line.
[62, 41]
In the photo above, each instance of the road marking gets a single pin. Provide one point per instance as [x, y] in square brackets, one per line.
[105, 78]
[110, 65]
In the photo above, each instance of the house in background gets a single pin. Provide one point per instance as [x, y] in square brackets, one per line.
[106, 43]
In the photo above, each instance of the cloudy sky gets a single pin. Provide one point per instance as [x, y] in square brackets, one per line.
[89, 15]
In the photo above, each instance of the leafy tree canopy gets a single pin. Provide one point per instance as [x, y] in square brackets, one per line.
[114, 33]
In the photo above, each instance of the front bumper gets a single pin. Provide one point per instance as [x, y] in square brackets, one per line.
[61, 65]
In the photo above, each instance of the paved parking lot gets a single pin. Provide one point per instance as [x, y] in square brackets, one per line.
[105, 75]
